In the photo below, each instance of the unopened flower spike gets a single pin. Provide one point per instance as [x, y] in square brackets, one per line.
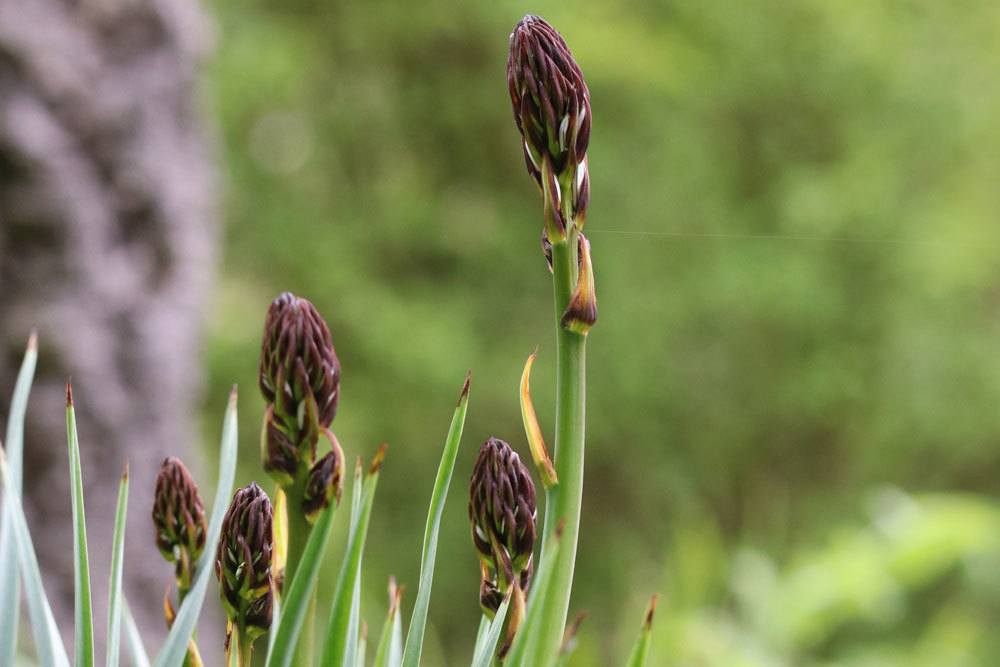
[243, 565]
[551, 105]
[581, 311]
[502, 511]
[300, 380]
[179, 519]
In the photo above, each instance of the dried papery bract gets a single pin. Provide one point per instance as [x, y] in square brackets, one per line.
[243, 567]
[300, 380]
[502, 512]
[179, 519]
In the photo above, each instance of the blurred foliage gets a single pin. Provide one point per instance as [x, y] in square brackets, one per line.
[794, 227]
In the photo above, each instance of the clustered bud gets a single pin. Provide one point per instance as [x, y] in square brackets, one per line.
[179, 518]
[243, 562]
[551, 106]
[502, 512]
[300, 380]
[324, 484]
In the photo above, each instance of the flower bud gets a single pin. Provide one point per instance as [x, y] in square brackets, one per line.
[179, 517]
[243, 561]
[300, 380]
[324, 484]
[551, 106]
[502, 512]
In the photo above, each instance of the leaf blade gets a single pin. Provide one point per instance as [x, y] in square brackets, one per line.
[117, 565]
[489, 646]
[295, 605]
[83, 608]
[10, 582]
[49, 645]
[640, 650]
[418, 619]
[341, 639]
[175, 647]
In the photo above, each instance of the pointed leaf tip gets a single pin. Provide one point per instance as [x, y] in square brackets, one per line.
[232, 395]
[464, 395]
[378, 459]
[125, 471]
[651, 611]
[69, 392]
[33, 340]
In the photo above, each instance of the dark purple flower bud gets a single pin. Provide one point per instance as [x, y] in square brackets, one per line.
[243, 561]
[300, 380]
[502, 512]
[551, 106]
[324, 484]
[179, 517]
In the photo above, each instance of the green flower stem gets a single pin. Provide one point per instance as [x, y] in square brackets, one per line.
[563, 500]
[298, 534]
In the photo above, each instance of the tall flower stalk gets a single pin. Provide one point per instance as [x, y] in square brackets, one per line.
[299, 377]
[551, 105]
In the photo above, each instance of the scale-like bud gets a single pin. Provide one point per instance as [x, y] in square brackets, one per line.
[243, 561]
[324, 484]
[581, 311]
[300, 380]
[179, 517]
[502, 512]
[551, 105]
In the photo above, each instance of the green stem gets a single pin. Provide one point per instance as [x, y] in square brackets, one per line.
[564, 500]
[298, 534]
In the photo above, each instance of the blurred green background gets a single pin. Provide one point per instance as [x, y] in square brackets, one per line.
[794, 383]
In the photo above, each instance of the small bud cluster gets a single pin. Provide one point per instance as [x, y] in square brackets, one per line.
[179, 518]
[300, 379]
[243, 561]
[502, 512]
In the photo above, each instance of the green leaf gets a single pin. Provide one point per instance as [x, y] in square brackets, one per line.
[175, 648]
[481, 634]
[295, 604]
[115, 586]
[51, 652]
[10, 581]
[340, 645]
[640, 650]
[362, 645]
[484, 658]
[132, 637]
[418, 620]
[527, 650]
[390, 644]
[83, 611]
